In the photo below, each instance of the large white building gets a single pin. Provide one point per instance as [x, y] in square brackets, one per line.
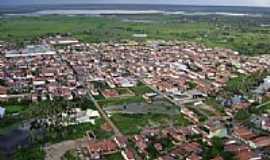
[31, 51]
[2, 112]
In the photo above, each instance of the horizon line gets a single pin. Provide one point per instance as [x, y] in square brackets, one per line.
[165, 4]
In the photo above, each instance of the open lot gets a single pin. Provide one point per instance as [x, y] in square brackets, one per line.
[133, 124]
[156, 107]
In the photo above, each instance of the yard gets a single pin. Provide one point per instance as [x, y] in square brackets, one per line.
[141, 89]
[115, 156]
[16, 108]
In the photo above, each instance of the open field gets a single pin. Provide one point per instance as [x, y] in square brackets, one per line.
[11, 109]
[156, 107]
[243, 34]
[132, 124]
[120, 101]
[116, 156]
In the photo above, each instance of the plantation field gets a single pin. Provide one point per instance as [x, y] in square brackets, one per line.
[239, 33]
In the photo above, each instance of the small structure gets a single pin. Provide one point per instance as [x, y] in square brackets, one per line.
[140, 35]
[87, 116]
[216, 128]
[31, 51]
[2, 112]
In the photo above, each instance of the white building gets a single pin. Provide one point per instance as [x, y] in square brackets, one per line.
[2, 112]
[30, 51]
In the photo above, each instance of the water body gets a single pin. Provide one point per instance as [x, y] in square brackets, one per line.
[113, 9]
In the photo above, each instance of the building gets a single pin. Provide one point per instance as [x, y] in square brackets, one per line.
[216, 128]
[103, 147]
[30, 51]
[3, 91]
[260, 142]
[266, 123]
[128, 154]
[2, 112]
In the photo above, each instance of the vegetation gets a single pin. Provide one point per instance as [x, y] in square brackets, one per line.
[242, 115]
[11, 109]
[133, 124]
[27, 110]
[243, 34]
[166, 143]
[115, 156]
[211, 101]
[141, 89]
[192, 85]
[216, 150]
[70, 155]
[244, 83]
[120, 100]
[59, 133]
[36, 153]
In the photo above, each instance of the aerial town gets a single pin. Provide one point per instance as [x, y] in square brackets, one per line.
[182, 95]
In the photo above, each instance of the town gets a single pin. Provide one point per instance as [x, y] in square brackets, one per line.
[164, 100]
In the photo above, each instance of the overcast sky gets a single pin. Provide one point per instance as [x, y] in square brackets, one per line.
[262, 3]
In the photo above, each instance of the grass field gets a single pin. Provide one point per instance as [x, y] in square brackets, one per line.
[10, 109]
[141, 89]
[119, 101]
[243, 34]
[133, 124]
[115, 156]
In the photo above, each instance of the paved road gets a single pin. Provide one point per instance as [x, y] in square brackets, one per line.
[105, 116]
[100, 109]
[56, 151]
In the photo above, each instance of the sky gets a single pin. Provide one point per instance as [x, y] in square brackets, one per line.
[262, 3]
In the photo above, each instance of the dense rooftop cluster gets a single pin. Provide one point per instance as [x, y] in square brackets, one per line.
[183, 73]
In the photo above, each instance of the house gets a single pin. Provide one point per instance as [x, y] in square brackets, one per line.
[128, 154]
[194, 157]
[103, 147]
[260, 142]
[243, 133]
[3, 90]
[217, 158]
[121, 141]
[266, 123]
[87, 116]
[2, 112]
[215, 128]
[247, 155]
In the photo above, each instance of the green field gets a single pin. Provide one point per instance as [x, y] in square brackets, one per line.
[115, 156]
[120, 100]
[11, 109]
[240, 33]
[133, 124]
[141, 89]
